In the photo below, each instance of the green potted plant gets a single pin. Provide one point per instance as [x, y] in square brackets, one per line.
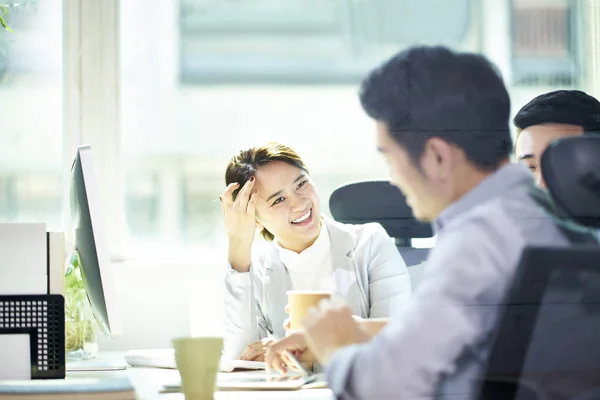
[81, 329]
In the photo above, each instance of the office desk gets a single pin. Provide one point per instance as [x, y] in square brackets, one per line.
[148, 383]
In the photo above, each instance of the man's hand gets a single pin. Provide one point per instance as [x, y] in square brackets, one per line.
[294, 343]
[373, 326]
[256, 351]
[327, 331]
[324, 333]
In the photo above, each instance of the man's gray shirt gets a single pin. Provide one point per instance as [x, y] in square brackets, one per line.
[440, 344]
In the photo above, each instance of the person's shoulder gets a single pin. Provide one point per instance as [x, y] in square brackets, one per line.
[263, 254]
[515, 207]
[494, 224]
[365, 228]
[362, 234]
[485, 216]
[513, 220]
[374, 230]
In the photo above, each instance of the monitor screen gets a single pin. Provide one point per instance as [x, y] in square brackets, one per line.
[90, 243]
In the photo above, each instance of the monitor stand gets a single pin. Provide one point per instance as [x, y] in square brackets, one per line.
[102, 361]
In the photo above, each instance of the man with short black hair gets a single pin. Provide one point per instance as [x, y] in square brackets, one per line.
[551, 116]
[442, 122]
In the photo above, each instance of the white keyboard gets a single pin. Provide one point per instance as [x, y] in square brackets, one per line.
[165, 358]
[151, 358]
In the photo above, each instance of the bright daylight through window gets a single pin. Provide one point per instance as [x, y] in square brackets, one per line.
[200, 79]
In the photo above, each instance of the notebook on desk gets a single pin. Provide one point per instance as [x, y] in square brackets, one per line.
[298, 377]
[165, 358]
[258, 381]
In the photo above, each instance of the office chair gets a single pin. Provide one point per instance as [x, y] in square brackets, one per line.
[379, 201]
[547, 344]
[571, 170]
[547, 338]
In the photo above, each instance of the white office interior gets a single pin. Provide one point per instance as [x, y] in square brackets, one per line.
[166, 91]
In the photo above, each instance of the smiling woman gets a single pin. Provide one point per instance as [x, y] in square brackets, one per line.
[287, 203]
[270, 190]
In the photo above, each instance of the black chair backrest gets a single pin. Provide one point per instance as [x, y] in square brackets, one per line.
[571, 170]
[549, 329]
[379, 201]
[547, 336]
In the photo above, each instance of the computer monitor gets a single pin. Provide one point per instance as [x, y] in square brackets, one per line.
[90, 243]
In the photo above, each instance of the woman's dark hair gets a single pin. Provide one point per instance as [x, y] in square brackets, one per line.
[431, 91]
[244, 165]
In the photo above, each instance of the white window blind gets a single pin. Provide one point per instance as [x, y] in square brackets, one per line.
[594, 48]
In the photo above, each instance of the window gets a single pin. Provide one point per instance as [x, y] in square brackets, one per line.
[218, 76]
[308, 41]
[31, 143]
[593, 32]
[545, 42]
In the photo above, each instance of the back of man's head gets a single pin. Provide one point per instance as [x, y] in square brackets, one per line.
[426, 92]
[569, 107]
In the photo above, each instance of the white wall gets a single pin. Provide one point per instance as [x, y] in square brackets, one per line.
[163, 300]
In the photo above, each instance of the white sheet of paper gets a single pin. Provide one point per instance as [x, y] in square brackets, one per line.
[23, 259]
[15, 362]
[57, 258]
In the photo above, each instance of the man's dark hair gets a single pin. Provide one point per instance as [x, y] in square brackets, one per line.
[426, 92]
[572, 107]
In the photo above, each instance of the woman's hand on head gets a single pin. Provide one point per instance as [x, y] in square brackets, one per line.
[240, 214]
[240, 222]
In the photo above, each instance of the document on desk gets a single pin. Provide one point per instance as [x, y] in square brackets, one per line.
[23, 259]
[297, 377]
[257, 380]
[232, 365]
[57, 258]
[165, 358]
[15, 362]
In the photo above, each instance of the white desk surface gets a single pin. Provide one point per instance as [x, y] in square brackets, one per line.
[148, 383]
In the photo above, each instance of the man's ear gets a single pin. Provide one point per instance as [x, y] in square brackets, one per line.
[439, 158]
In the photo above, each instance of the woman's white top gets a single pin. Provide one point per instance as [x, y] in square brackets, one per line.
[367, 271]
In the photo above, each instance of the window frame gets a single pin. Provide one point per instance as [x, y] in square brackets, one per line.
[91, 96]
[523, 66]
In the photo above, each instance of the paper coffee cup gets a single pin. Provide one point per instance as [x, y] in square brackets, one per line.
[300, 301]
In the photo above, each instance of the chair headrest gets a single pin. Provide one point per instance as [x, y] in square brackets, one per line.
[571, 170]
[377, 201]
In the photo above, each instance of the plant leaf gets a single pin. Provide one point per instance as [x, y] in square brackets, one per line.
[3, 23]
